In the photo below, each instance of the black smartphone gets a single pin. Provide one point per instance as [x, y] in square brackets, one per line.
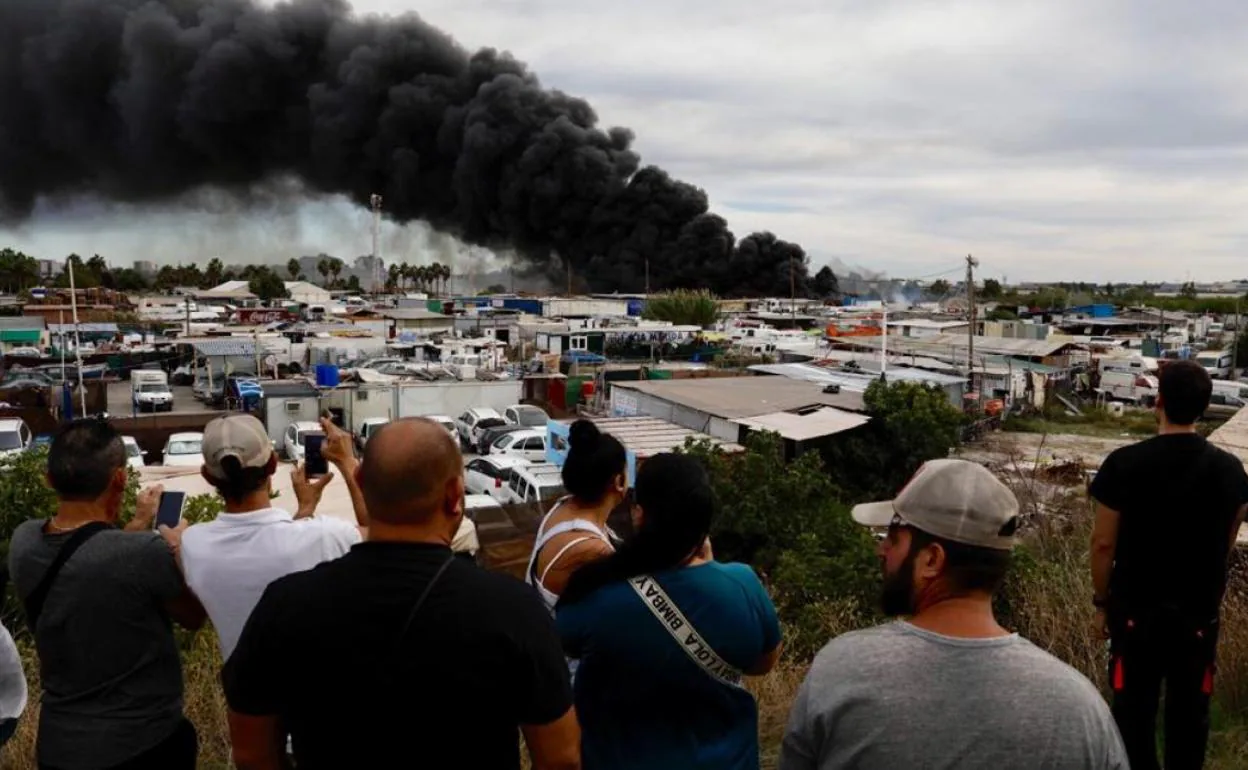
[314, 462]
[169, 511]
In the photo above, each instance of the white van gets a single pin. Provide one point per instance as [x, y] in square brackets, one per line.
[535, 483]
[1216, 362]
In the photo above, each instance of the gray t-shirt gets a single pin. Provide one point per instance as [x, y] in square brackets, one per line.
[111, 677]
[896, 696]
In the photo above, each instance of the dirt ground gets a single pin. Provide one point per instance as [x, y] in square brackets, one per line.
[1003, 448]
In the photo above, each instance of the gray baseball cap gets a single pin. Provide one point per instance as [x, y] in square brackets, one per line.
[238, 435]
[951, 499]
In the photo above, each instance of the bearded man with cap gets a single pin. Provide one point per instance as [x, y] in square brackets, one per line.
[947, 687]
[229, 562]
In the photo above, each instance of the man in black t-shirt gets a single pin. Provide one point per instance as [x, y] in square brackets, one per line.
[399, 654]
[1168, 511]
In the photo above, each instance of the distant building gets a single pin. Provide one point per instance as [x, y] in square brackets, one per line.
[50, 268]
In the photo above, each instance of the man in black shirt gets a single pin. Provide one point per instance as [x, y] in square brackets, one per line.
[1168, 511]
[398, 654]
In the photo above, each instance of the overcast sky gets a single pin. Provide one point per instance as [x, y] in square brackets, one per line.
[1053, 139]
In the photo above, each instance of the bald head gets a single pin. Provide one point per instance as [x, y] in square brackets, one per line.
[412, 471]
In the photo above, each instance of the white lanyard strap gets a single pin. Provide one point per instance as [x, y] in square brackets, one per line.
[674, 621]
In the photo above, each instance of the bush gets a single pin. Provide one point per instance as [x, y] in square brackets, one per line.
[683, 308]
[911, 423]
[786, 520]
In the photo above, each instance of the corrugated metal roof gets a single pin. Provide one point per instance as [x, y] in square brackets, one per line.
[414, 314]
[825, 421]
[856, 381]
[92, 327]
[22, 322]
[647, 436]
[736, 397]
[226, 346]
[941, 345]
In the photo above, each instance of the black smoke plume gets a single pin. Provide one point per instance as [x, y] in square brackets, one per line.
[141, 101]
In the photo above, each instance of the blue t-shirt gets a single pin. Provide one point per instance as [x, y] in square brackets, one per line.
[640, 698]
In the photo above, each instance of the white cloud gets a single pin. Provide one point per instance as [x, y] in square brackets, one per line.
[1055, 139]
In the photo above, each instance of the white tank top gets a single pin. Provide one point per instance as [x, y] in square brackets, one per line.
[544, 536]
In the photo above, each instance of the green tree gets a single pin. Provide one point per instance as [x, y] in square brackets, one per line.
[683, 307]
[938, 289]
[495, 288]
[991, 289]
[83, 277]
[213, 273]
[788, 521]
[130, 280]
[267, 285]
[292, 267]
[1188, 291]
[911, 423]
[353, 283]
[335, 268]
[322, 267]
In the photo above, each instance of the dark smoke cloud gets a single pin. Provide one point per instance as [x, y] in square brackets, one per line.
[139, 101]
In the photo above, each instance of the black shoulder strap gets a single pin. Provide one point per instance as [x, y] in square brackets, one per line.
[34, 601]
[420, 601]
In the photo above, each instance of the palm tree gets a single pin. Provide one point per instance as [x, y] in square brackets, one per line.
[446, 277]
[322, 267]
[335, 267]
[292, 267]
[212, 275]
[392, 278]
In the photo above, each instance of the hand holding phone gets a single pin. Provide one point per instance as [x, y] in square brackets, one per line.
[314, 462]
[169, 512]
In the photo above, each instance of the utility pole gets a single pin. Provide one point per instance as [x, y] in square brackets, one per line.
[647, 276]
[1235, 344]
[569, 278]
[375, 201]
[188, 315]
[971, 264]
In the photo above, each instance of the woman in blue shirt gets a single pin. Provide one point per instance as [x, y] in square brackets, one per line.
[664, 632]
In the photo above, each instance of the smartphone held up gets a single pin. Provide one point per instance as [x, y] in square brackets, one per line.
[314, 462]
[169, 510]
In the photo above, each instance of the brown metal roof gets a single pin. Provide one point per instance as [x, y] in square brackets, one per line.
[737, 397]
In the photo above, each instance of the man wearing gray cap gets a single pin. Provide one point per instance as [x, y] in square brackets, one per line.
[948, 687]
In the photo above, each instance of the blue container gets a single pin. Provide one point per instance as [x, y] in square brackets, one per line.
[326, 376]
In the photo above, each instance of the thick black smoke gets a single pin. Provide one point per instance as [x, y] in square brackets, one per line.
[136, 100]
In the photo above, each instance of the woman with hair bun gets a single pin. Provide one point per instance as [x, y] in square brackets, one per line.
[575, 532]
[664, 633]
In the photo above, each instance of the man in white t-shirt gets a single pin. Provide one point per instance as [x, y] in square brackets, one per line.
[229, 562]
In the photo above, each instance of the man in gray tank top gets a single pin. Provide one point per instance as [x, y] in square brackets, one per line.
[949, 688]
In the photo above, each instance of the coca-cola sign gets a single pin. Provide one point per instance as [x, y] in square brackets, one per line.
[258, 316]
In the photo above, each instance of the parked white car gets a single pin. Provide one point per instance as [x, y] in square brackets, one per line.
[15, 437]
[134, 455]
[368, 428]
[489, 476]
[184, 450]
[470, 424]
[526, 415]
[535, 483]
[529, 444]
[294, 437]
[28, 352]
